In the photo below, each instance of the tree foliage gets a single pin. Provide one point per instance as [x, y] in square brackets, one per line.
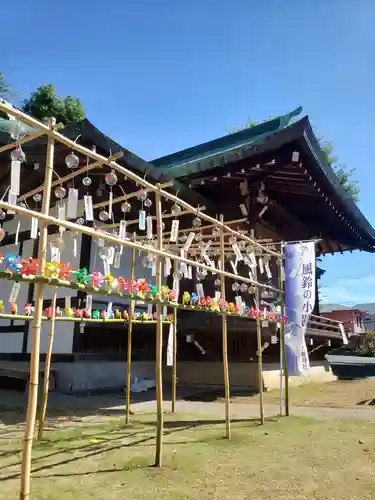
[344, 175]
[44, 103]
[4, 86]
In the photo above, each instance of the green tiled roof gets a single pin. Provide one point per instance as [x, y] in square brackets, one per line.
[186, 162]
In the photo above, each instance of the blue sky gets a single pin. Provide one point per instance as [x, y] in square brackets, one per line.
[161, 76]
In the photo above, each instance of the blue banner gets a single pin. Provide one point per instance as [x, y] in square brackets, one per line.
[299, 303]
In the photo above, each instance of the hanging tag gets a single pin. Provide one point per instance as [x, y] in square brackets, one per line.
[111, 255]
[149, 310]
[142, 220]
[265, 325]
[239, 304]
[61, 211]
[89, 208]
[122, 231]
[170, 346]
[167, 267]
[268, 270]
[14, 293]
[213, 264]
[72, 203]
[183, 266]
[107, 269]
[282, 272]
[149, 227]
[34, 228]
[15, 174]
[237, 251]
[217, 295]
[265, 313]
[189, 241]
[274, 338]
[110, 310]
[55, 254]
[89, 304]
[252, 259]
[12, 200]
[206, 247]
[207, 260]
[234, 267]
[16, 241]
[174, 230]
[153, 269]
[200, 291]
[110, 205]
[75, 246]
[165, 311]
[189, 272]
[117, 260]
[261, 267]
[101, 243]
[67, 302]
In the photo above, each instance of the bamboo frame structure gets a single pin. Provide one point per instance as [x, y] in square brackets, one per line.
[224, 333]
[159, 342]
[129, 349]
[47, 368]
[158, 189]
[35, 350]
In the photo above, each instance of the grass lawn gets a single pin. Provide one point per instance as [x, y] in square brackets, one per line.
[289, 458]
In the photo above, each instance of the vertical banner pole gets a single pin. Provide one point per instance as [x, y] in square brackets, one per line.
[35, 348]
[224, 331]
[159, 340]
[47, 367]
[129, 350]
[283, 360]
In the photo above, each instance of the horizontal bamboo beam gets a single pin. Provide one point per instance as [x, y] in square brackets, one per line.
[24, 140]
[25, 317]
[128, 173]
[58, 182]
[128, 196]
[49, 220]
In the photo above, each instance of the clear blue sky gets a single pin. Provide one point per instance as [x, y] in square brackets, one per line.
[159, 76]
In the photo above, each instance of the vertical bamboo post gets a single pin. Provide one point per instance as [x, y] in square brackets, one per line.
[159, 340]
[260, 357]
[224, 333]
[35, 349]
[282, 335]
[47, 367]
[129, 355]
[174, 366]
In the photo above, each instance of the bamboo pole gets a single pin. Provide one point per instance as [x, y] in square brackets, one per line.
[25, 139]
[128, 197]
[35, 349]
[128, 173]
[224, 332]
[127, 243]
[130, 331]
[47, 368]
[282, 341]
[159, 340]
[260, 358]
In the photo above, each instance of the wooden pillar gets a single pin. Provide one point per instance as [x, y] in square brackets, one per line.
[35, 349]
[159, 340]
[224, 333]
[260, 357]
[174, 366]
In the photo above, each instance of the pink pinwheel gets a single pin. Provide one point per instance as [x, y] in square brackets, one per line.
[97, 279]
[143, 287]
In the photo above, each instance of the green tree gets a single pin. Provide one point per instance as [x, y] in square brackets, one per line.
[44, 103]
[344, 175]
[4, 87]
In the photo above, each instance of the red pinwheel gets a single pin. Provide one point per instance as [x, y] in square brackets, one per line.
[29, 267]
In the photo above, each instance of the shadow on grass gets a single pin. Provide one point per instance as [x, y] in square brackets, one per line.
[102, 447]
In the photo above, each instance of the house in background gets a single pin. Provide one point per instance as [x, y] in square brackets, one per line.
[353, 318]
